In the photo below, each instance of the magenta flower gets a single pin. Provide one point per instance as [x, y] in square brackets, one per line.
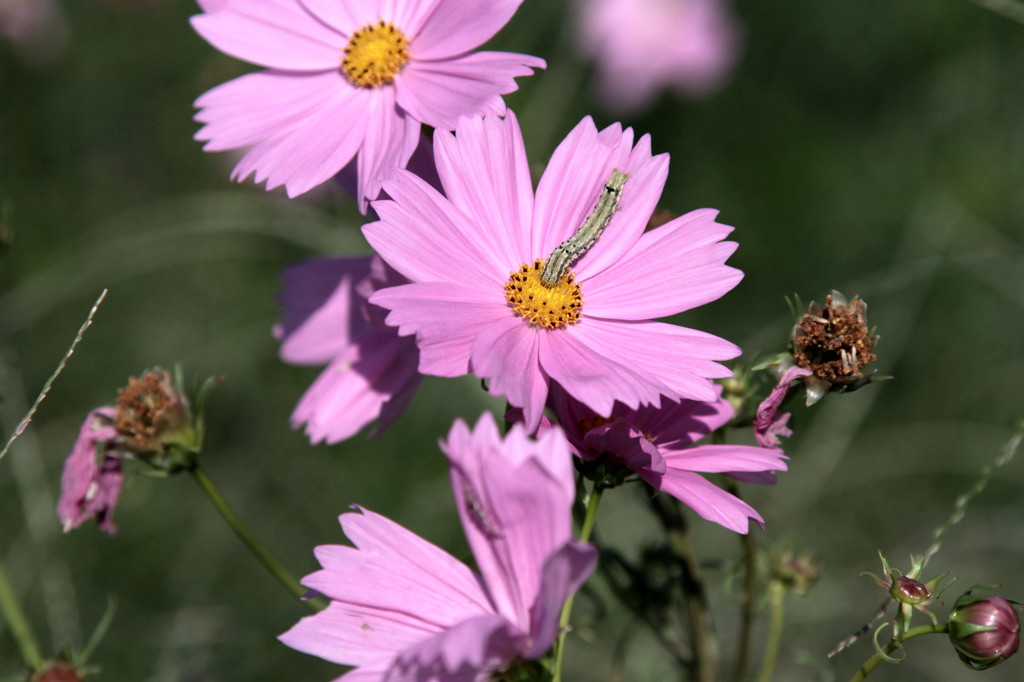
[92, 478]
[641, 47]
[349, 79]
[658, 444]
[476, 302]
[371, 371]
[403, 609]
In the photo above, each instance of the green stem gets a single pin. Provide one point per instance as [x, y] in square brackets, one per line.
[892, 646]
[20, 628]
[776, 600]
[563, 622]
[259, 551]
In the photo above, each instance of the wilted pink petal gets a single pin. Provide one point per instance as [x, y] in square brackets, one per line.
[769, 425]
[92, 479]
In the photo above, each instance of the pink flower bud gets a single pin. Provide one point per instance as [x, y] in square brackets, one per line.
[909, 591]
[985, 630]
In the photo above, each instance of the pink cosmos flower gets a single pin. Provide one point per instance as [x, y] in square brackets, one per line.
[371, 370]
[349, 79]
[476, 302]
[643, 46]
[92, 479]
[402, 609]
[658, 444]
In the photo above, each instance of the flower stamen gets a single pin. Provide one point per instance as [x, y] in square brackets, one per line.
[551, 307]
[375, 54]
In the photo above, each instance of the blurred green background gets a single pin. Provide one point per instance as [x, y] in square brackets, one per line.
[872, 147]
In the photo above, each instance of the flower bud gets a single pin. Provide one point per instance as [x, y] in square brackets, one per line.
[984, 629]
[57, 671]
[909, 591]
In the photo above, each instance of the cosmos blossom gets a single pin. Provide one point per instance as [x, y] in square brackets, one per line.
[371, 371]
[91, 482]
[402, 609]
[659, 444]
[475, 257]
[641, 47]
[349, 79]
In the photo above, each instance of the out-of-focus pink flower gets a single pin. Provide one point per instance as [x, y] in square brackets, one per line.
[658, 444]
[403, 609]
[371, 371]
[349, 79]
[38, 29]
[769, 425]
[641, 47]
[475, 257]
[92, 479]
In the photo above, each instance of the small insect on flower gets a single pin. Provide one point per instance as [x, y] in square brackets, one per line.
[575, 246]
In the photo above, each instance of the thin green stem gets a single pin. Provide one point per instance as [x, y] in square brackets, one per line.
[593, 501]
[258, 550]
[20, 628]
[894, 645]
[777, 603]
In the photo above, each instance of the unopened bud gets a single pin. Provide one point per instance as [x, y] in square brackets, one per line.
[57, 671]
[909, 591]
[985, 630]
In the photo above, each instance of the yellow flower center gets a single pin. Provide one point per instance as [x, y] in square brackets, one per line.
[375, 54]
[549, 307]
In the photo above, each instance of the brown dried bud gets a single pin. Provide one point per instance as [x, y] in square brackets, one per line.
[152, 411]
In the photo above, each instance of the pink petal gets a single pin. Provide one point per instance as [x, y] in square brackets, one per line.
[279, 34]
[485, 173]
[572, 181]
[357, 635]
[258, 106]
[708, 500]
[391, 138]
[345, 17]
[321, 313]
[589, 375]
[726, 458]
[564, 573]
[311, 150]
[424, 237]
[625, 440]
[446, 319]
[514, 513]
[91, 481]
[458, 26]
[639, 199]
[684, 362]
[468, 652]
[357, 386]
[506, 353]
[439, 93]
[769, 425]
[392, 569]
[673, 268]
